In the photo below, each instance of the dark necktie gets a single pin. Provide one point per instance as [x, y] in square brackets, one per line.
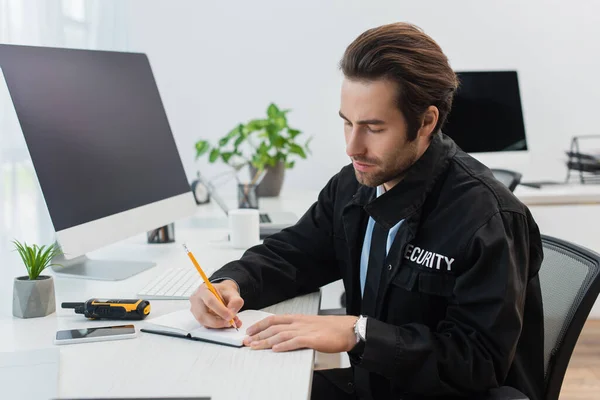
[377, 255]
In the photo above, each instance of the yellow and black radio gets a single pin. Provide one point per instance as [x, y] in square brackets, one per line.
[134, 309]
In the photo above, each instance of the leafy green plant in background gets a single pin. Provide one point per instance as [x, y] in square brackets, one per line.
[36, 258]
[271, 140]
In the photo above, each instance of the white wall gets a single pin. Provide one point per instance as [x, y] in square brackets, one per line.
[219, 63]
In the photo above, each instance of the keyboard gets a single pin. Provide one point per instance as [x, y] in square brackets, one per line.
[173, 284]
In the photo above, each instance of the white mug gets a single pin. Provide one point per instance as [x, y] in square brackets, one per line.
[244, 227]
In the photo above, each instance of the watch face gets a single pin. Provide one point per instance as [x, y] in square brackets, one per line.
[362, 328]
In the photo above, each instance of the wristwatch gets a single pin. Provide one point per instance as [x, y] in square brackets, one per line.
[360, 329]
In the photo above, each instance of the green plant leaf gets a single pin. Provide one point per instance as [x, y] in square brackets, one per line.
[226, 156]
[30, 261]
[258, 161]
[272, 133]
[223, 141]
[202, 147]
[294, 132]
[239, 140]
[294, 148]
[263, 148]
[290, 164]
[278, 142]
[280, 122]
[256, 125]
[36, 258]
[234, 132]
[272, 111]
[214, 155]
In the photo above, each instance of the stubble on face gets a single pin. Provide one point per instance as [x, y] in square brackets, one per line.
[392, 167]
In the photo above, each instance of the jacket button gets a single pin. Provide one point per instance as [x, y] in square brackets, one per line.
[390, 267]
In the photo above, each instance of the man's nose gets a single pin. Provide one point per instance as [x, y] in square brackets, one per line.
[354, 143]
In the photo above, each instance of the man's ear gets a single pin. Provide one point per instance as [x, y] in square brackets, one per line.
[428, 122]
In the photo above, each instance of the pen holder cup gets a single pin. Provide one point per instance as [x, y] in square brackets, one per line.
[247, 196]
[164, 234]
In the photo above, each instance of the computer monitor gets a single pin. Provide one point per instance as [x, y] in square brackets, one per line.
[102, 149]
[486, 113]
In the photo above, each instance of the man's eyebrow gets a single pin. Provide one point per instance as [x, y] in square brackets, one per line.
[365, 121]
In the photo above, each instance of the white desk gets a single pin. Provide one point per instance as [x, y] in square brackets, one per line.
[559, 194]
[153, 365]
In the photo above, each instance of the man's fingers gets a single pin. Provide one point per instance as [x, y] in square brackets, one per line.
[270, 321]
[267, 333]
[204, 316]
[238, 322]
[213, 321]
[234, 303]
[213, 303]
[298, 342]
[210, 311]
[273, 340]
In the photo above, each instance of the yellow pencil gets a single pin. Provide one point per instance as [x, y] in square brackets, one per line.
[207, 282]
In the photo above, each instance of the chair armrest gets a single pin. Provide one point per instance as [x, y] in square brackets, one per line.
[333, 311]
[505, 393]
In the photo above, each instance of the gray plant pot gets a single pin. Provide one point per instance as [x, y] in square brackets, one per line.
[33, 299]
[271, 184]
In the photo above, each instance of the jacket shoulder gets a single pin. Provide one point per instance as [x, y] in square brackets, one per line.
[478, 184]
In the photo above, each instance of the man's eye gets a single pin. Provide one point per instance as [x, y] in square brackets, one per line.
[374, 130]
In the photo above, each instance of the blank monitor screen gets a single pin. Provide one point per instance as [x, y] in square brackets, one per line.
[486, 114]
[96, 130]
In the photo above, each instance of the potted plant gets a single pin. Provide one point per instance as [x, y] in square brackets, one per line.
[267, 145]
[33, 294]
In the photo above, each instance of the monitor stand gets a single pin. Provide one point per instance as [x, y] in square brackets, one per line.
[103, 270]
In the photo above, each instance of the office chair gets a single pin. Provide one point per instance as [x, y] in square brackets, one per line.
[570, 284]
[509, 178]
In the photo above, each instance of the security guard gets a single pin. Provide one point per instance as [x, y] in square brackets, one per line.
[439, 260]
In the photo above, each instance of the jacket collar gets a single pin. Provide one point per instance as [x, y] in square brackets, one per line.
[410, 193]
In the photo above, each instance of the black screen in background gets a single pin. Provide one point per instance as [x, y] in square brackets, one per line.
[96, 130]
[486, 113]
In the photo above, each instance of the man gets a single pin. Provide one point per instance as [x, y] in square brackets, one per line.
[439, 260]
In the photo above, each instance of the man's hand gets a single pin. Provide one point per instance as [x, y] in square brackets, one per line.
[210, 312]
[327, 334]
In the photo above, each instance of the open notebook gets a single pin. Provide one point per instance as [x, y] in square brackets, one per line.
[183, 324]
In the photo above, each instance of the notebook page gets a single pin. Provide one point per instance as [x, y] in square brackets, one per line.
[183, 322]
[230, 335]
[179, 321]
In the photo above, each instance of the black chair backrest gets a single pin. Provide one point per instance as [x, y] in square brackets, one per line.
[570, 283]
[509, 178]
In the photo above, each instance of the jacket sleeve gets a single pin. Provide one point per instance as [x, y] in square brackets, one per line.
[472, 348]
[298, 260]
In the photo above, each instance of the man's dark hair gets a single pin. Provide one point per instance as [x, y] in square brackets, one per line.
[403, 53]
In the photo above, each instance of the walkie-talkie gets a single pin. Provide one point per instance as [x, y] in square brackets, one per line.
[134, 309]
